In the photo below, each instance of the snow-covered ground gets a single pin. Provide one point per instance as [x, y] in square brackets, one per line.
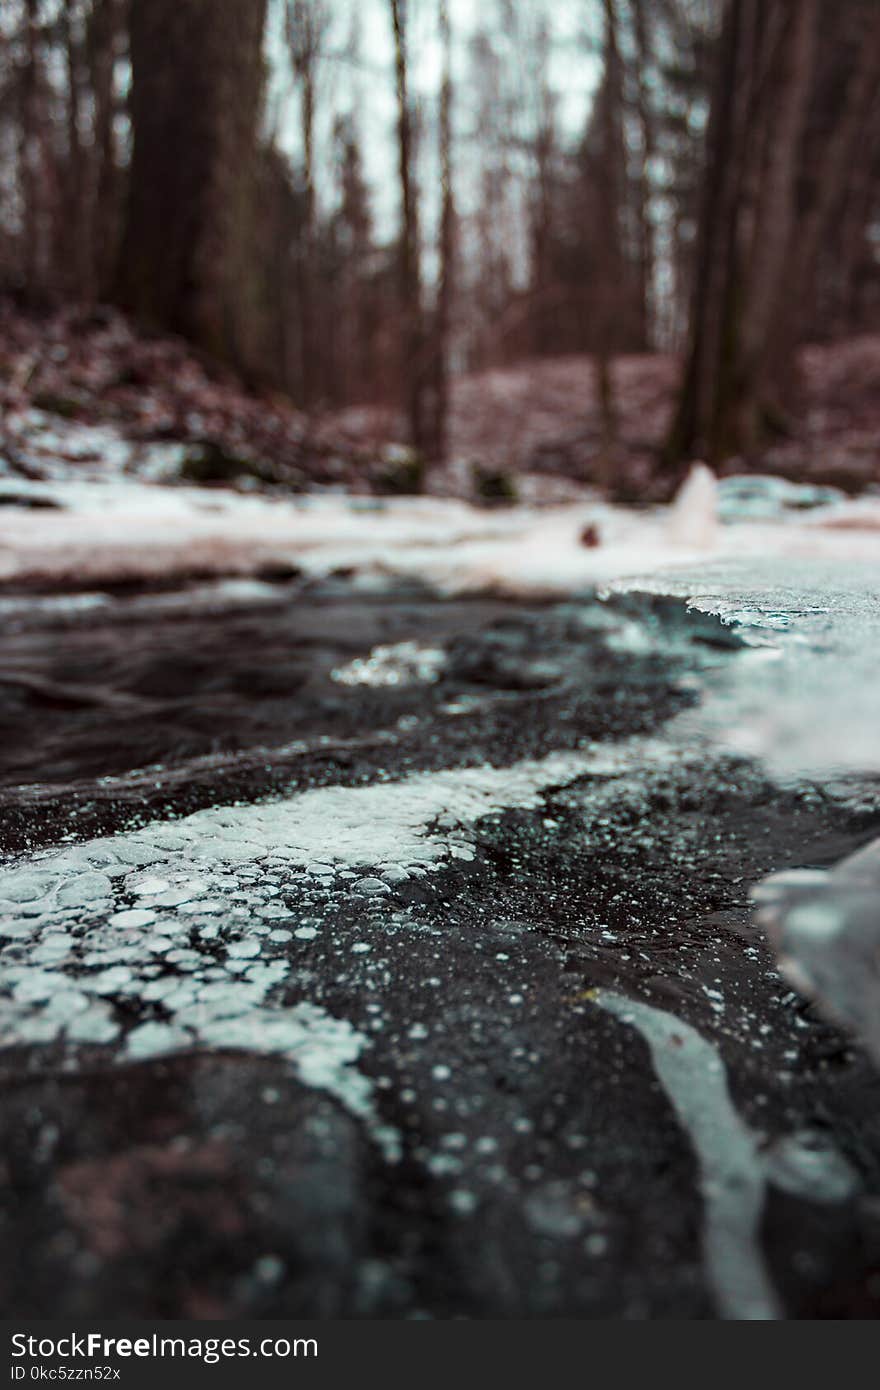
[100, 530]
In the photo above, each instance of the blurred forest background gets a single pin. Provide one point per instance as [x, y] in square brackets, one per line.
[436, 221]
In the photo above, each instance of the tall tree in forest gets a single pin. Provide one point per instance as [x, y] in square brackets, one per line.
[30, 155]
[768, 246]
[675, 72]
[446, 247]
[489, 268]
[105, 36]
[75, 231]
[306, 25]
[610, 167]
[354, 362]
[734, 387]
[197, 83]
[835, 169]
[410, 276]
[542, 297]
[645, 114]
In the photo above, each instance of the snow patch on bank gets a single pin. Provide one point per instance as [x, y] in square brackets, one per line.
[122, 528]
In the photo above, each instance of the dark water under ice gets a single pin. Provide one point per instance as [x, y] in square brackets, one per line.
[371, 954]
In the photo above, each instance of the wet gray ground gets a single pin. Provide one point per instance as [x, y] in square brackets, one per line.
[458, 1007]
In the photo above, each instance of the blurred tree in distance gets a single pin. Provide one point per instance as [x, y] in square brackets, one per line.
[357, 203]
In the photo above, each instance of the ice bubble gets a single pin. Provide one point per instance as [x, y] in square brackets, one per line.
[35, 986]
[146, 886]
[84, 890]
[66, 1004]
[369, 886]
[110, 981]
[133, 917]
[154, 1039]
[242, 950]
[26, 886]
[96, 1026]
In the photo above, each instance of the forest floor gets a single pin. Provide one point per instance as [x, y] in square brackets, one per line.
[540, 419]
[175, 417]
[544, 416]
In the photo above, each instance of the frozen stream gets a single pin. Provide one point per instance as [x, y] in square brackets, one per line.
[370, 952]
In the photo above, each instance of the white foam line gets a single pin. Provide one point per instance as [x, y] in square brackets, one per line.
[732, 1179]
[381, 824]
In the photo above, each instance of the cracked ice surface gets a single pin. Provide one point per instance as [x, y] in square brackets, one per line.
[804, 701]
[183, 925]
[804, 698]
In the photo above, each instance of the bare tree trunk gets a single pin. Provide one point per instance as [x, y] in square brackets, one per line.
[610, 166]
[103, 36]
[443, 311]
[197, 81]
[707, 382]
[541, 335]
[832, 178]
[307, 257]
[746, 226]
[647, 257]
[773, 224]
[74, 231]
[355, 329]
[29, 151]
[306, 24]
[759, 252]
[410, 260]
